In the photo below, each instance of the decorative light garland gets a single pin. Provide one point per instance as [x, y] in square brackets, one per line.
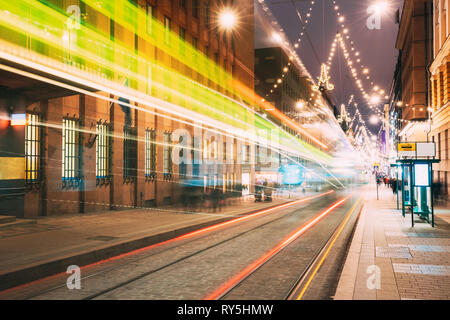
[302, 32]
[365, 72]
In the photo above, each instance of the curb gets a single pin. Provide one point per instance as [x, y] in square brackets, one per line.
[347, 279]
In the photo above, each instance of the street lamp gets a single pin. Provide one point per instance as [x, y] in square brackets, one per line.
[373, 119]
[227, 19]
[375, 99]
[380, 7]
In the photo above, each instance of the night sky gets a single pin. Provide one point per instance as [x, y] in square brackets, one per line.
[376, 47]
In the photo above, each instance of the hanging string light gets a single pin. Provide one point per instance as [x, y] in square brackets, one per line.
[306, 21]
[373, 96]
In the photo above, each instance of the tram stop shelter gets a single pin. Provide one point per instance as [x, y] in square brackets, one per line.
[415, 164]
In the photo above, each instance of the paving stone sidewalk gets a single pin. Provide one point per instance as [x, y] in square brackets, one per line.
[389, 260]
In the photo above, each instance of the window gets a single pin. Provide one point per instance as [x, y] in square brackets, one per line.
[246, 154]
[167, 154]
[149, 19]
[225, 151]
[194, 42]
[182, 33]
[129, 153]
[166, 30]
[183, 4]
[103, 152]
[206, 14]
[150, 153]
[439, 146]
[70, 152]
[195, 158]
[195, 8]
[446, 145]
[182, 166]
[33, 149]
[183, 38]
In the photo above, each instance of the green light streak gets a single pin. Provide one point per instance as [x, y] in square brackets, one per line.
[45, 31]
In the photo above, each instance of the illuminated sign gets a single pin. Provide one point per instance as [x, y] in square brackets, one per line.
[406, 147]
[18, 119]
[292, 174]
[421, 175]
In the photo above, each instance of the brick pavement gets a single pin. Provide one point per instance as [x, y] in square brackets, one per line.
[389, 260]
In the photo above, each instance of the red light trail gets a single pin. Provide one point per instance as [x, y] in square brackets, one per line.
[181, 237]
[256, 264]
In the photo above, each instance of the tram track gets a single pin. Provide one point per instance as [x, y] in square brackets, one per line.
[239, 279]
[165, 250]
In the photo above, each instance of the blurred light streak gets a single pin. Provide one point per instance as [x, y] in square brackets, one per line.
[263, 259]
[277, 147]
[269, 108]
[47, 24]
[178, 238]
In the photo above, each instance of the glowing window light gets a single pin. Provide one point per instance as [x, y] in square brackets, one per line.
[18, 119]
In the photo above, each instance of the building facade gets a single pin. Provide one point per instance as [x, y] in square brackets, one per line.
[83, 153]
[440, 70]
[410, 97]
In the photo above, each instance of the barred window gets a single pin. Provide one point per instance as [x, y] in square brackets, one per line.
[103, 151]
[150, 152]
[167, 153]
[70, 150]
[129, 153]
[33, 149]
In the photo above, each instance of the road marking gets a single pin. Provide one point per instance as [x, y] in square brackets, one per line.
[266, 257]
[343, 224]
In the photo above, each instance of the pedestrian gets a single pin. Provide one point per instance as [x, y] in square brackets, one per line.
[394, 185]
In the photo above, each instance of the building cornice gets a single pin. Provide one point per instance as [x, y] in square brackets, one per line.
[404, 23]
[444, 51]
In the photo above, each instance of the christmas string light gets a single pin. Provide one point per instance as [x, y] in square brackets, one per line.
[302, 32]
[365, 72]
